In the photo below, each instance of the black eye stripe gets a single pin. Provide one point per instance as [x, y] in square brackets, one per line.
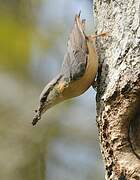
[44, 98]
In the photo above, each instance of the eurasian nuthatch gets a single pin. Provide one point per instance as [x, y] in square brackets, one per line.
[77, 73]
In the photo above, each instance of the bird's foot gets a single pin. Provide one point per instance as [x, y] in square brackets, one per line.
[98, 35]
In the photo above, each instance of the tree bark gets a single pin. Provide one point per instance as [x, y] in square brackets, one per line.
[118, 89]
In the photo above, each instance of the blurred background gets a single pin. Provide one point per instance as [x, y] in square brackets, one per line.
[64, 144]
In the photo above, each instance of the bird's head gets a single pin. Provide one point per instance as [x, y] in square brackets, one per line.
[51, 95]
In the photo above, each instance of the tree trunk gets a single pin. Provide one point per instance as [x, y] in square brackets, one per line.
[118, 91]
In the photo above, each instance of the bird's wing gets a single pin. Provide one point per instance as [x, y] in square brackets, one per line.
[75, 60]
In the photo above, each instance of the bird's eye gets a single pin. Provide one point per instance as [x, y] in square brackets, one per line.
[43, 99]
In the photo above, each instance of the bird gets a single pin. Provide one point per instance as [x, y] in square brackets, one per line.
[77, 73]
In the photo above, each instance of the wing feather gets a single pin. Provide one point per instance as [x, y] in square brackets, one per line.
[75, 60]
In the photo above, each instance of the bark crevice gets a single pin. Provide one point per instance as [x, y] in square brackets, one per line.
[118, 91]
